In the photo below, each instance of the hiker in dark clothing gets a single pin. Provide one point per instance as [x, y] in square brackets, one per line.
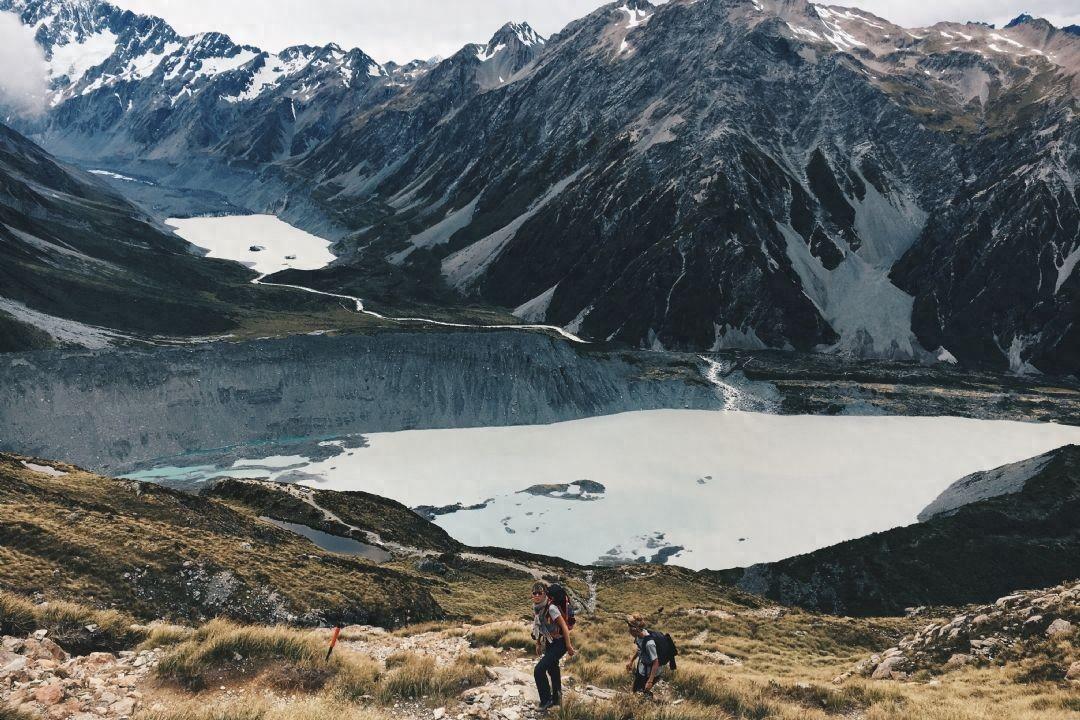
[645, 662]
[552, 642]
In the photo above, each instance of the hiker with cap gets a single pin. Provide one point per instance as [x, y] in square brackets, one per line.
[651, 650]
[553, 617]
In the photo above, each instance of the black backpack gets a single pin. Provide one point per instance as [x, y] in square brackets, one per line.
[665, 648]
[561, 599]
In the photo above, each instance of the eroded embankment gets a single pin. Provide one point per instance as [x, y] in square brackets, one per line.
[110, 410]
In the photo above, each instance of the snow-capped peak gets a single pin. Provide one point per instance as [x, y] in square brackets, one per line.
[516, 36]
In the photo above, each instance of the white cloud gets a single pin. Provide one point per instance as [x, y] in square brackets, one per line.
[22, 68]
[406, 29]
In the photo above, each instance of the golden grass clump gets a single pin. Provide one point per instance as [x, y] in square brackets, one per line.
[164, 635]
[250, 709]
[505, 635]
[413, 676]
[220, 643]
[67, 624]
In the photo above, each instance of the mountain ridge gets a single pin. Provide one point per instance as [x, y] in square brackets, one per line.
[987, 535]
[712, 175]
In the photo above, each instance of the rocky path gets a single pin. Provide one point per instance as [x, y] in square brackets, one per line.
[509, 693]
[38, 677]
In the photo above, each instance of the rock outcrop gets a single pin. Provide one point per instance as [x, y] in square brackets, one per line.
[983, 635]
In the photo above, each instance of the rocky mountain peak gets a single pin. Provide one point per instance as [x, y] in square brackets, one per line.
[513, 32]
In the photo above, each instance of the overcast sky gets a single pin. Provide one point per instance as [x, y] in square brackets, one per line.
[405, 29]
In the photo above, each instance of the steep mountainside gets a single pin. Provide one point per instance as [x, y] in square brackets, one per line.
[1014, 527]
[78, 258]
[739, 174]
[82, 266]
[110, 410]
[701, 174]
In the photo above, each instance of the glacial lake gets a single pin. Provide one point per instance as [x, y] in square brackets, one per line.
[280, 246]
[699, 489]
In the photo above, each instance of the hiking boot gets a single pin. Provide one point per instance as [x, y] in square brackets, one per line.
[547, 705]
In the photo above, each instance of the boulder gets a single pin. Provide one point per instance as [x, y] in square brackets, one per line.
[11, 662]
[1073, 673]
[49, 695]
[123, 708]
[1033, 625]
[1060, 628]
[958, 660]
[892, 668]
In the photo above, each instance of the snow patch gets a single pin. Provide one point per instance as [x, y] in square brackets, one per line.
[871, 315]
[945, 356]
[1015, 354]
[44, 469]
[74, 60]
[637, 17]
[731, 338]
[1065, 269]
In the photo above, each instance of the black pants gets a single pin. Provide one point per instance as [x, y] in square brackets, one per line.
[548, 666]
[639, 682]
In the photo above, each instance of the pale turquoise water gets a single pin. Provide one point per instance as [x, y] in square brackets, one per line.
[334, 543]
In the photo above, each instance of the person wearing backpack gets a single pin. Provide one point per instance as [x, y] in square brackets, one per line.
[651, 650]
[553, 618]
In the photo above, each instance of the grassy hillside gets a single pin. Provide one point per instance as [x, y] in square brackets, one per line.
[158, 553]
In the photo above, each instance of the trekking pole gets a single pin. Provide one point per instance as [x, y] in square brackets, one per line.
[333, 642]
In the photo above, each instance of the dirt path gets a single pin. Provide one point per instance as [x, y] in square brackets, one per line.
[424, 321]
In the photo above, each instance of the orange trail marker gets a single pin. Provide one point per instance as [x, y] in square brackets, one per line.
[333, 642]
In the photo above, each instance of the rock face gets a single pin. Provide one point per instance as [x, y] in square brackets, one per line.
[110, 410]
[982, 635]
[970, 553]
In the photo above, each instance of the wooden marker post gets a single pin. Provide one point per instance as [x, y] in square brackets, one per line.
[333, 643]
